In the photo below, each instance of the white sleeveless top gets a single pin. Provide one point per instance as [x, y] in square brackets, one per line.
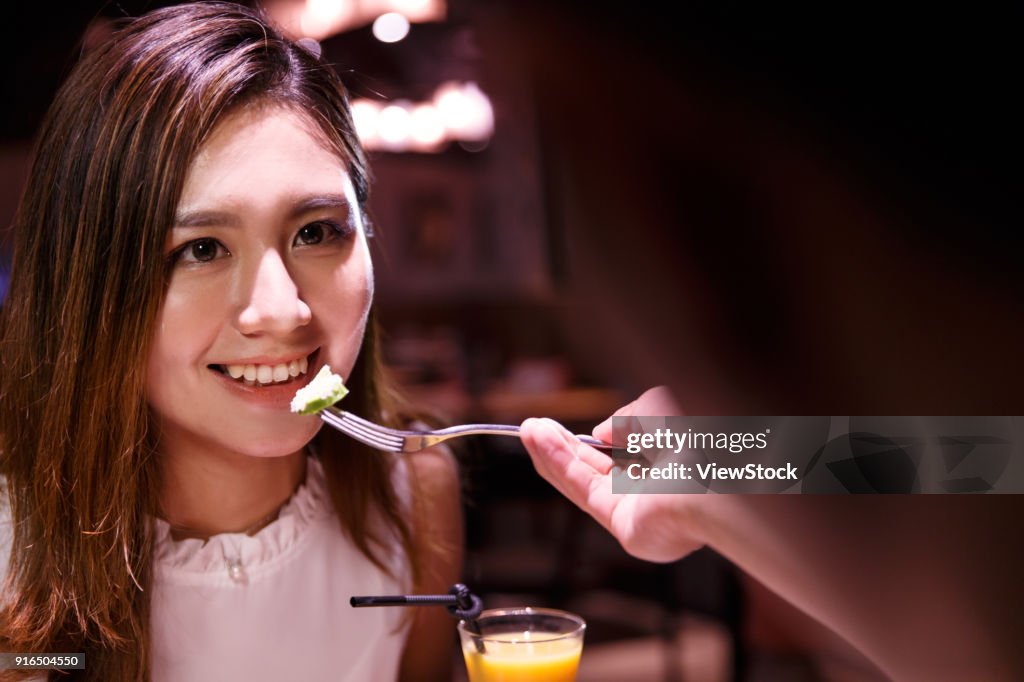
[272, 606]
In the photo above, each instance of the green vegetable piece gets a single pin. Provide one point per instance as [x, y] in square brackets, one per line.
[324, 390]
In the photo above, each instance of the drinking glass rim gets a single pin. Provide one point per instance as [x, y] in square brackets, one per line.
[581, 624]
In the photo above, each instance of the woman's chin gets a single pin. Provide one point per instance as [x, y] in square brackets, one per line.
[279, 442]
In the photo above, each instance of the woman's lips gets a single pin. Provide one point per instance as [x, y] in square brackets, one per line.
[274, 394]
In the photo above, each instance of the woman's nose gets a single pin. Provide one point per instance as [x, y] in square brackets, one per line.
[273, 304]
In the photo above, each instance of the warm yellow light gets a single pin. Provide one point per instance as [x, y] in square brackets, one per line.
[393, 125]
[458, 112]
[320, 18]
[411, 6]
[427, 125]
[466, 111]
[390, 27]
[365, 114]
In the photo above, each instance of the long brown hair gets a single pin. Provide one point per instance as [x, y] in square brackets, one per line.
[77, 446]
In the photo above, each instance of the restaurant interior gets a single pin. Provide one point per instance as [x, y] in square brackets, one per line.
[476, 131]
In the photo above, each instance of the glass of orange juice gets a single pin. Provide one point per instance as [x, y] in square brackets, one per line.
[523, 645]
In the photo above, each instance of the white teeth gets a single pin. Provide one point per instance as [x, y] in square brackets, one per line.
[268, 374]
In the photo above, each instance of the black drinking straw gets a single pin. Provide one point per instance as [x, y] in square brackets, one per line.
[461, 604]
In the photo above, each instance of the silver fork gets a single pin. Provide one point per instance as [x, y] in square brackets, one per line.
[393, 440]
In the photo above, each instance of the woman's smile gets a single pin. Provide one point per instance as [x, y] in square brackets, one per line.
[269, 383]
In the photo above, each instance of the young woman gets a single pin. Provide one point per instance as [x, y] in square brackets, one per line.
[191, 248]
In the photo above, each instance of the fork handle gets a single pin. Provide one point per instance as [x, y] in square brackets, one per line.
[593, 442]
[497, 430]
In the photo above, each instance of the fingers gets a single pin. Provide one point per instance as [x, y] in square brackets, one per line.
[575, 469]
[654, 402]
[582, 474]
[592, 457]
[666, 537]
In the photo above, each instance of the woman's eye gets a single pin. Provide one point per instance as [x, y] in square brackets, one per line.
[319, 232]
[199, 251]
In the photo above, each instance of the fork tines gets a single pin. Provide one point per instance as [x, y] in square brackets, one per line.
[363, 431]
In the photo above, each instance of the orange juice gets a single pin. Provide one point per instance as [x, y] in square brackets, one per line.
[525, 657]
[522, 645]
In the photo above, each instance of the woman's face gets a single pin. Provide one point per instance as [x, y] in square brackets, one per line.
[270, 279]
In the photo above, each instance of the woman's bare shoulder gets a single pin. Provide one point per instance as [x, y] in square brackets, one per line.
[435, 470]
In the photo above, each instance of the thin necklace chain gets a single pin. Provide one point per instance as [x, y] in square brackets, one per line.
[182, 532]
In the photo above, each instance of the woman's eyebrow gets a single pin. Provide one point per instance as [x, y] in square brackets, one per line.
[318, 202]
[303, 205]
[203, 218]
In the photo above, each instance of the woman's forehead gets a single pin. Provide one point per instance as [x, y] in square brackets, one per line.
[265, 117]
[254, 152]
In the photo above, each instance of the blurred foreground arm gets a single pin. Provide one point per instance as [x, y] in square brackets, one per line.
[919, 584]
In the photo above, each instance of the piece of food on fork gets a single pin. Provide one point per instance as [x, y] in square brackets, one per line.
[324, 390]
[327, 388]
